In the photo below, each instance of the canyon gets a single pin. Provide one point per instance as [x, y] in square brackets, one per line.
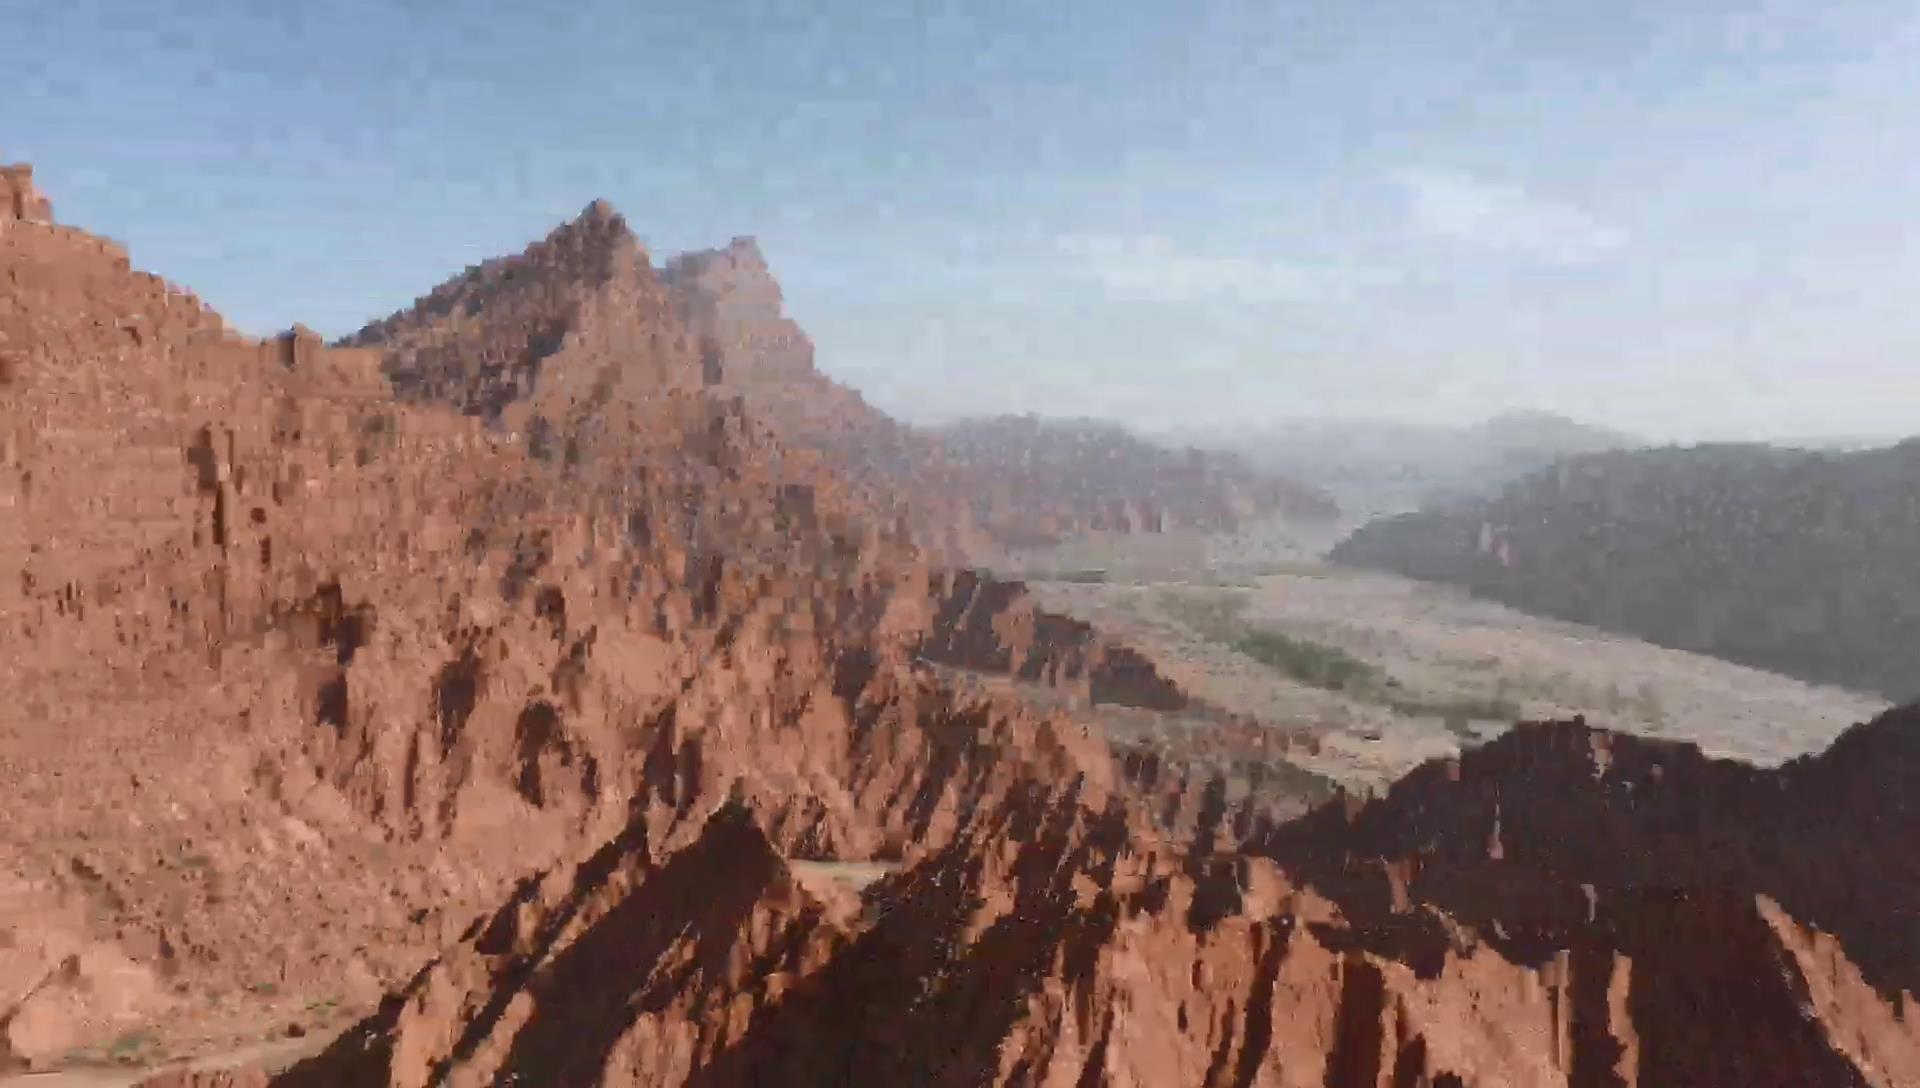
[562, 681]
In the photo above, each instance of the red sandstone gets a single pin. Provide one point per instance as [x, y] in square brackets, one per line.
[498, 688]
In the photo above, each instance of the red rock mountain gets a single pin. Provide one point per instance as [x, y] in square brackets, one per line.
[307, 667]
[1562, 907]
[19, 200]
[636, 747]
[506, 341]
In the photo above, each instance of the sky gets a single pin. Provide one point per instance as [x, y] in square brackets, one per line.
[1688, 219]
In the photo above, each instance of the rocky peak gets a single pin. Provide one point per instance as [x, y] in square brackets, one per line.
[589, 249]
[483, 339]
[744, 250]
[729, 298]
[732, 285]
[19, 199]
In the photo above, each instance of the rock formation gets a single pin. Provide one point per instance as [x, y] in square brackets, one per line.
[510, 690]
[19, 200]
[313, 651]
[730, 301]
[1563, 907]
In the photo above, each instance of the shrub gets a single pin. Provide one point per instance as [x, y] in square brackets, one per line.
[1308, 662]
[1459, 714]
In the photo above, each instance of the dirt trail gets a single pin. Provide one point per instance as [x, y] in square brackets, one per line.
[269, 1057]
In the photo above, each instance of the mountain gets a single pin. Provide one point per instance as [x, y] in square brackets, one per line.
[505, 341]
[1033, 481]
[1384, 467]
[729, 298]
[1565, 906]
[1791, 560]
[312, 651]
[504, 698]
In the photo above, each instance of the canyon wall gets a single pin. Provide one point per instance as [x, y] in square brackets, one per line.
[510, 689]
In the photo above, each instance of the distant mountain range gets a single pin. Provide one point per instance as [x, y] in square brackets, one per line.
[1803, 562]
[1376, 466]
[1033, 481]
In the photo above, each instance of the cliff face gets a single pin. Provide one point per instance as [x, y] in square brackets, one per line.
[574, 315]
[185, 512]
[729, 300]
[1563, 907]
[608, 750]
[313, 651]
[1721, 924]
[1786, 560]
[20, 201]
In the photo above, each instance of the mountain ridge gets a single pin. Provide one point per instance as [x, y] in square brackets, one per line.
[1784, 559]
[646, 747]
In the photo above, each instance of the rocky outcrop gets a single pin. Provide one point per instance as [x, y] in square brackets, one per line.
[1685, 895]
[989, 625]
[1520, 917]
[20, 201]
[1433, 937]
[729, 300]
[578, 319]
[315, 651]
[1793, 561]
[538, 752]
[176, 499]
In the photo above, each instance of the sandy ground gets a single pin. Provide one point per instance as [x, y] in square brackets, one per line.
[855, 875]
[1439, 644]
[270, 1056]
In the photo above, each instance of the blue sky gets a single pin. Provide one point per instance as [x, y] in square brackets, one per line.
[1691, 219]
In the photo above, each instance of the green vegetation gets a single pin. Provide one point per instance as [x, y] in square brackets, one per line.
[1295, 568]
[1219, 617]
[128, 1048]
[1312, 663]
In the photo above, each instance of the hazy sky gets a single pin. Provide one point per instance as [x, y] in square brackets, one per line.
[1686, 218]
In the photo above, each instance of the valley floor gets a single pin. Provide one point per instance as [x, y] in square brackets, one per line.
[1388, 672]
